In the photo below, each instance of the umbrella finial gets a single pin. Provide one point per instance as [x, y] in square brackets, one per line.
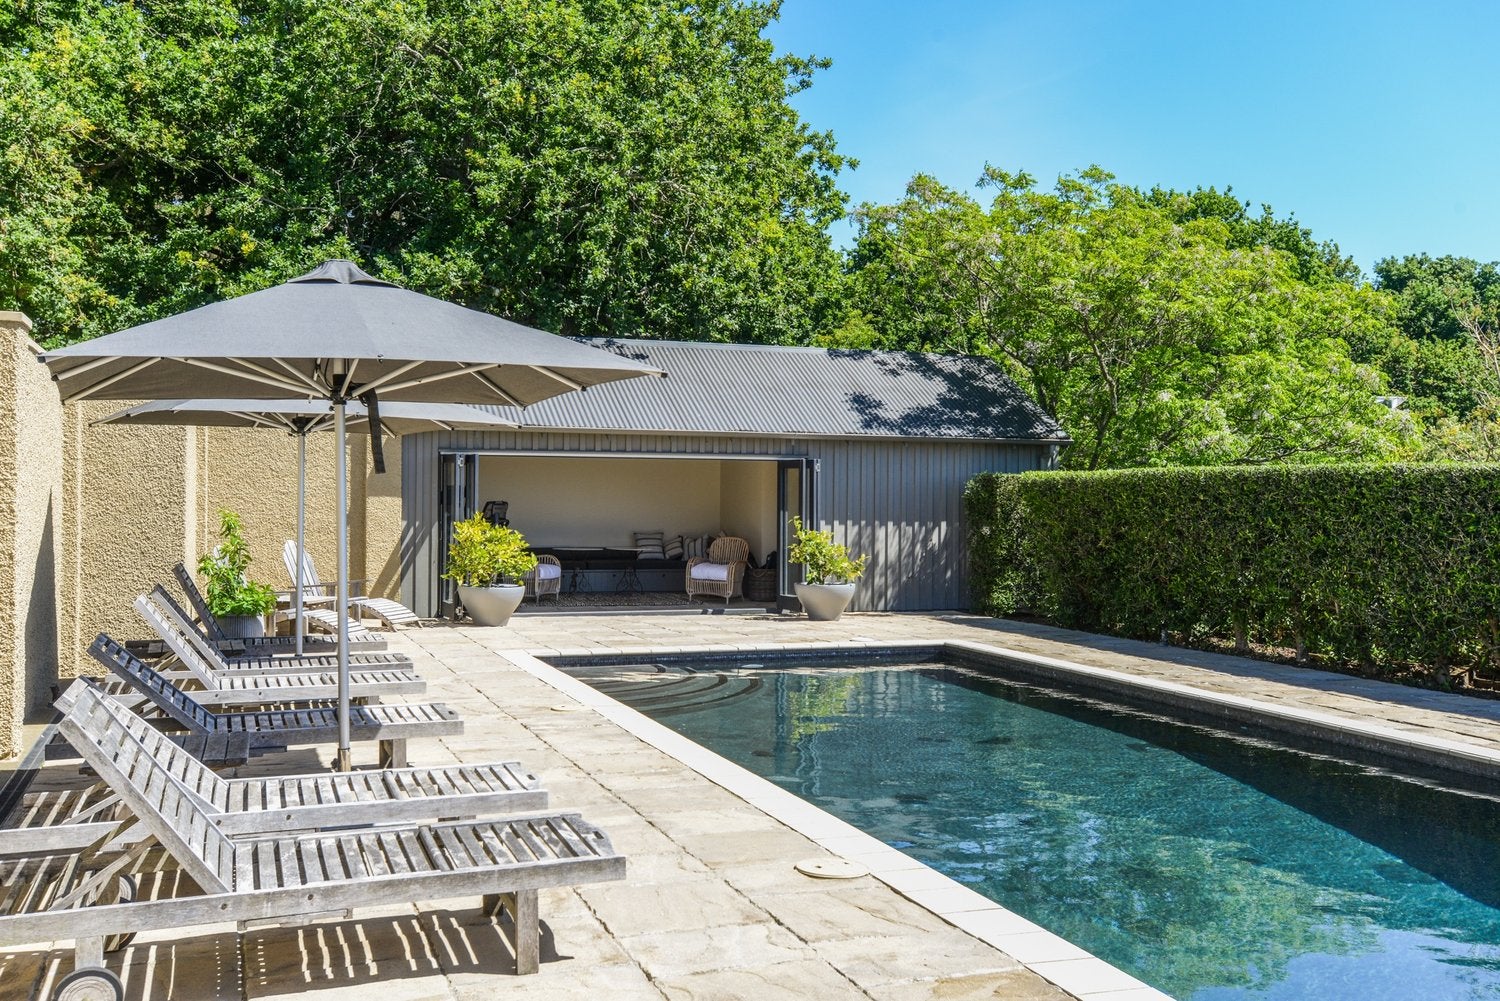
[339, 272]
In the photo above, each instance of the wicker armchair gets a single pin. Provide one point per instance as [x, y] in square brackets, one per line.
[720, 572]
[545, 579]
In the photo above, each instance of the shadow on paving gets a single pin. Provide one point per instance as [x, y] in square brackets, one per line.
[362, 952]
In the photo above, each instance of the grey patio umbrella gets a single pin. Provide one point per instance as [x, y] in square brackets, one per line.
[301, 418]
[335, 334]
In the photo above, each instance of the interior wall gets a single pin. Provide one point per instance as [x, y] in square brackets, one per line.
[747, 506]
[591, 501]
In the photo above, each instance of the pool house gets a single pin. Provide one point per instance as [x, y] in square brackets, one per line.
[874, 446]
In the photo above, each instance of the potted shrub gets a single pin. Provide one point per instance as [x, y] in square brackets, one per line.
[830, 572]
[239, 603]
[487, 562]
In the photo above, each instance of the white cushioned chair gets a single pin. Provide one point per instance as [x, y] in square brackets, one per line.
[719, 573]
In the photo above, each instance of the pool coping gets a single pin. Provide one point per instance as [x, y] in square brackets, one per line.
[1048, 955]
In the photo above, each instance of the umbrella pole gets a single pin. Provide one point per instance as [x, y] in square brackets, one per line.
[345, 759]
[301, 532]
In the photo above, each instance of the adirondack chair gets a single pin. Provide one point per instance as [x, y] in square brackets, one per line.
[280, 878]
[360, 638]
[391, 725]
[315, 589]
[284, 681]
[262, 662]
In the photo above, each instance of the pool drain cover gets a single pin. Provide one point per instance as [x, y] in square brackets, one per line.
[567, 707]
[831, 868]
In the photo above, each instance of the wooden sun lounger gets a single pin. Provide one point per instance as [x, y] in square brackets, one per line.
[360, 638]
[282, 802]
[392, 725]
[276, 879]
[282, 681]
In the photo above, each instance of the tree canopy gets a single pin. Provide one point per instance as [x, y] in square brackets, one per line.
[627, 167]
[1151, 332]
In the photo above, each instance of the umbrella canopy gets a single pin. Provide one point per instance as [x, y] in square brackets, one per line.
[301, 418]
[307, 416]
[334, 332]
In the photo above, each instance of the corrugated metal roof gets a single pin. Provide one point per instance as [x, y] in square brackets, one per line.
[786, 391]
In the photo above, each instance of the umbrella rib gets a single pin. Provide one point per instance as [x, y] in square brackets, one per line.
[553, 375]
[495, 387]
[251, 366]
[382, 384]
[349, 378]
[87, 366]
[270, 378]
[301, 376]
[104, 384]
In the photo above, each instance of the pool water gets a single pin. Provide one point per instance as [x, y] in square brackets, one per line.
[1211, 865]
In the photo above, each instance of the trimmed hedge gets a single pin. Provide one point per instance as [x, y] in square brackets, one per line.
[1392, 569]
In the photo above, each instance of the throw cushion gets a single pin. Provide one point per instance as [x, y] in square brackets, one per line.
[674, 548]
[649, 545]
[548, 571]
[692, 547]
[710, 571]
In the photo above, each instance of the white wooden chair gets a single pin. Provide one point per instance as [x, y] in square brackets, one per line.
[360, 638]
[317, 591]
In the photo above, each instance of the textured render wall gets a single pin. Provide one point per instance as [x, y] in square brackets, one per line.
[139, 499]
[30, 498]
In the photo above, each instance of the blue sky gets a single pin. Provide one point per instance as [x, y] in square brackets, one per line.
[1376, 124]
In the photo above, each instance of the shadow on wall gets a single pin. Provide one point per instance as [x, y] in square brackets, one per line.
[40, 630]
[970, 396]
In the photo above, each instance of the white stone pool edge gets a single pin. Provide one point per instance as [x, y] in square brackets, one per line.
[1049, 956]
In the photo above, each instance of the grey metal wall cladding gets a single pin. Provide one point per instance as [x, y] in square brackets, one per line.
[900, 502]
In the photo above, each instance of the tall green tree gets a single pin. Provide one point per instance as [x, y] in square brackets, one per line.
[1151, 337]
[619, 167]
[1314, 261]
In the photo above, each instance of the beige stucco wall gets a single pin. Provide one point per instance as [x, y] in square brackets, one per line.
[579, 500]
[584, 501]
[748, 503]
[30, 498]
[90, 516]
[142, 498]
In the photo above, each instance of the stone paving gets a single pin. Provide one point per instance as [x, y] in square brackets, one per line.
[712, 907]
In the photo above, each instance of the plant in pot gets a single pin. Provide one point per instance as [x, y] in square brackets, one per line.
[239, 603]
[488, 562]
[830, 572]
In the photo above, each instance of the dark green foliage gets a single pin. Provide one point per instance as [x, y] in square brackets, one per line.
[1394, 569]
[630, 167]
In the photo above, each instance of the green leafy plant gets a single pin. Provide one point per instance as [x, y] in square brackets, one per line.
[482, 555]
[228, 590]
[826, 561]
[1391, 571]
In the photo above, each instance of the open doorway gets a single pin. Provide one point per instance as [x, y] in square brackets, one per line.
[591, 511]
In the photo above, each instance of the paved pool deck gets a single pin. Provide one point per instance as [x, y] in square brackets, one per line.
[713, 907]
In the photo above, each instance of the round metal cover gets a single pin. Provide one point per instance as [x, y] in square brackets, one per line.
[831, 868]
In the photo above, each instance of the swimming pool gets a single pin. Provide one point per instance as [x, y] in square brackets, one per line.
[1211, 865]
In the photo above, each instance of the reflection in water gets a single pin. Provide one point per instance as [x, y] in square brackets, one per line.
[1213, 867]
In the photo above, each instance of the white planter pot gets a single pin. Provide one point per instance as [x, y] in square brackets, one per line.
[242, 627]
[824, 602]
[491, 606]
